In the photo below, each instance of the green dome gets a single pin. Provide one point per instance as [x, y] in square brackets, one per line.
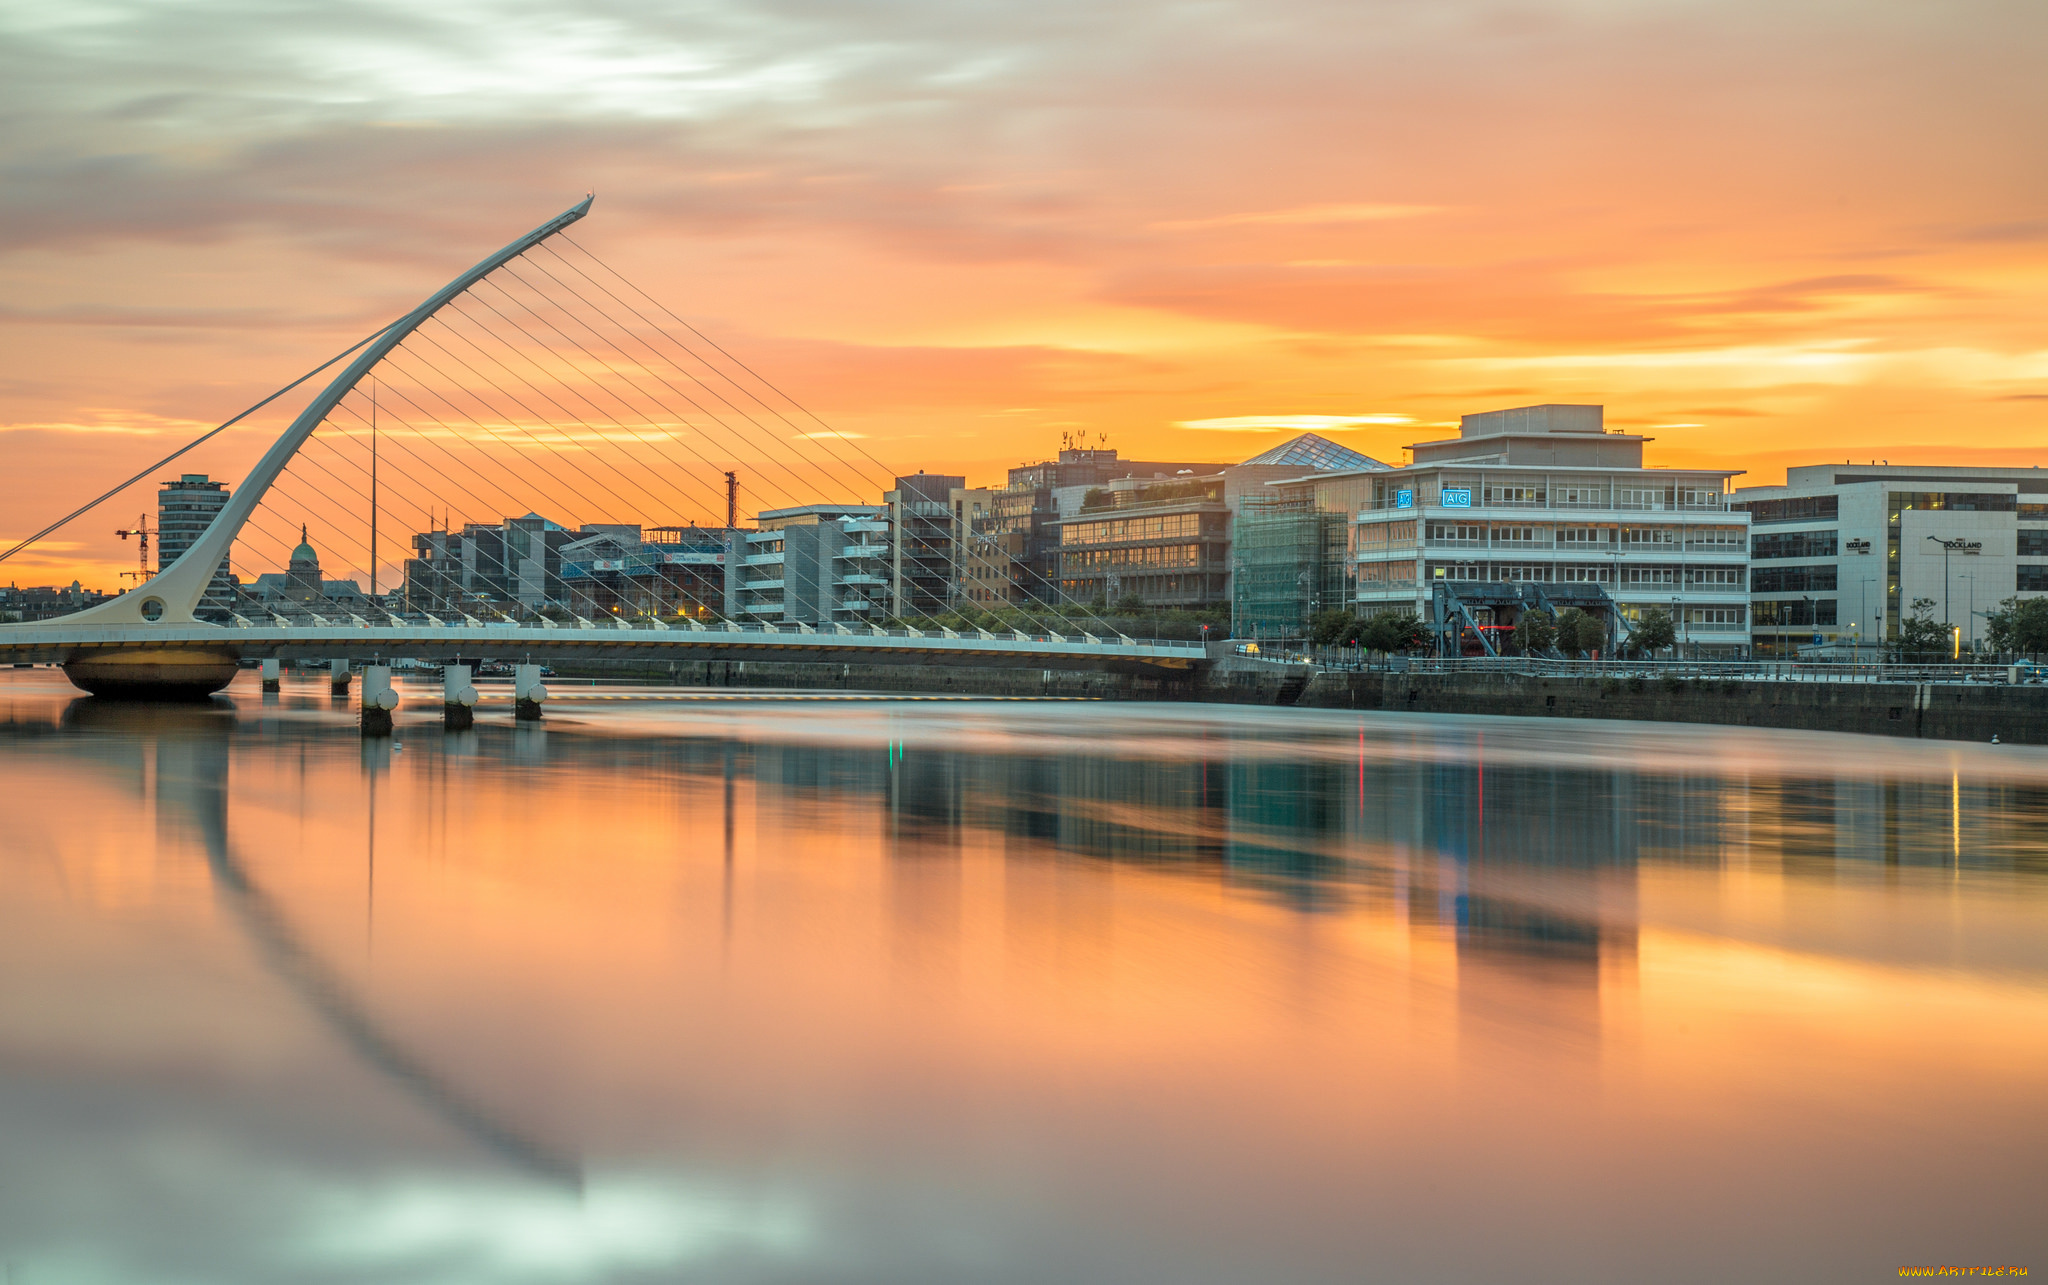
[304, 553]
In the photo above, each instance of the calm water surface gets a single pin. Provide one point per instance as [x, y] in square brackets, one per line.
[894, 991]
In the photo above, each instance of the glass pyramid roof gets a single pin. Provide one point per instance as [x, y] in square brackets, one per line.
[1313, 452]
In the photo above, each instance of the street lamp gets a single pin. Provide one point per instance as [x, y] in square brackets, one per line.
[1946, 549]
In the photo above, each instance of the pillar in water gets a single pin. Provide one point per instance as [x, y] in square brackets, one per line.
[337, 677]
[527, 693]
[458, 698]
[379, 699]
[272, 675]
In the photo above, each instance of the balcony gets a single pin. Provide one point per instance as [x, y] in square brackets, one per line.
[762, 559]
[864, 551]
[762, 586]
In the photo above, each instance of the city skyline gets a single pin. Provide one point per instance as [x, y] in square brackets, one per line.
[1760, 235]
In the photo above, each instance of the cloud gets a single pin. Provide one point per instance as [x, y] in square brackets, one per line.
[1303, 214]
[1291, 423]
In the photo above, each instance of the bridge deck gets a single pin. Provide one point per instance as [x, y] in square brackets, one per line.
[51, 642]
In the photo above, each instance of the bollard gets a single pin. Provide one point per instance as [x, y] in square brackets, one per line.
[271, 675]
[379, 699]
[527, 693]
[458, 698]
[337, 677]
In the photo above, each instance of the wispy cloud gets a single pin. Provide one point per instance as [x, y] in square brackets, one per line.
[1303, 214]
[826, 434]
[1291, 423]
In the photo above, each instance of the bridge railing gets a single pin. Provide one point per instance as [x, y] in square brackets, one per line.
[454, 621]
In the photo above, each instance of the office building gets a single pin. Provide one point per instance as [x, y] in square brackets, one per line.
[1840, 553]
[921, 570]
[184, 509]
[1028, 511]
[660, 571]
[1167, 540]
[818, 564]
[1546, 495]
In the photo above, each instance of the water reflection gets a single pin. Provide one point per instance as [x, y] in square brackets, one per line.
[929, 992]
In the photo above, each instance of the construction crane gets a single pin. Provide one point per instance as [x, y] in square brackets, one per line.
[141, 529]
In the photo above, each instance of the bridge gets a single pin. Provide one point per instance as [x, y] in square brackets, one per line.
[508, 323]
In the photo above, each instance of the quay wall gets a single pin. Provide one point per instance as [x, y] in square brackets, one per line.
[1934, 711]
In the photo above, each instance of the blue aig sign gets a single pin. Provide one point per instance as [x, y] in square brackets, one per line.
[1404, 498]
[1457, 497]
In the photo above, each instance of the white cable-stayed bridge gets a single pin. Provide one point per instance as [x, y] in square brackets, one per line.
[540, 381]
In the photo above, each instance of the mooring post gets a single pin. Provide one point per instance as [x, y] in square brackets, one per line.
[379, 699]
[337, 677]
[527, 693]
[458, 698]
[272, 674]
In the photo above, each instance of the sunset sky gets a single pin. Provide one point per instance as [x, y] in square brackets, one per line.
[1763, 233]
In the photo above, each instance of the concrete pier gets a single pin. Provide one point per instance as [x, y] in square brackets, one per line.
[458, 698]
[273, 673]
[527, 693]
[337, 677]
[379, 699]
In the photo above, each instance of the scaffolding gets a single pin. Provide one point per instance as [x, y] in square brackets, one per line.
[1287, 564]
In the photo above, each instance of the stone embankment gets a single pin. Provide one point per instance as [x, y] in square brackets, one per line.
[1934, 711]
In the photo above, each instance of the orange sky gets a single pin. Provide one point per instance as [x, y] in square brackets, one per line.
[1764, 233]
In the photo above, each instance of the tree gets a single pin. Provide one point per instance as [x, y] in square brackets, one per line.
[2019, 625]
[1654, 631]
[1130, 604]
[1578, 632]
[1332, 627]
[1535, 631]
[1921, 636]
[1391, 631]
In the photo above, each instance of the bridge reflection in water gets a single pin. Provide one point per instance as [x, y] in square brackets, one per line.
[1206, 990]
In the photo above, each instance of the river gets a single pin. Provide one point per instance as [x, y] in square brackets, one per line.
[686, 986]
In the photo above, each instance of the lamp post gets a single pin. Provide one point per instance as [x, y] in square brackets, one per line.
[1945, 551]
[1970, 579]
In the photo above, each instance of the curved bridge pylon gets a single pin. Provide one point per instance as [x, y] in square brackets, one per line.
[152, 641]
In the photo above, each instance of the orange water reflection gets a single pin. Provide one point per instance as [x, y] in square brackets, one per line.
[894, 991]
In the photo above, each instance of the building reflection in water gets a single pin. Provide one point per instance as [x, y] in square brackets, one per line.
[918, 946]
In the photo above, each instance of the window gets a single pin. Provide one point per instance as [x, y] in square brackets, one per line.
[1510, 571]
[1793, 544]
[2034, 544]
[1965, 501]
[1579, 497]
[1584, 535]
[1378, 535]
[1511, 495]
[1385, 573]
[1649, 575]
[1781, 579]
[1456, 533]
[1715, 539]
[1585, 574]
[1714, 576]
[1799, 508]
[1804, 611]
[1516, 535]
[2032, 579]
[1699, 497]
[1727, 617]
[1454, 571]
[2033, 512]
[1642, 497]
[1648, 535]
[1118, 530]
